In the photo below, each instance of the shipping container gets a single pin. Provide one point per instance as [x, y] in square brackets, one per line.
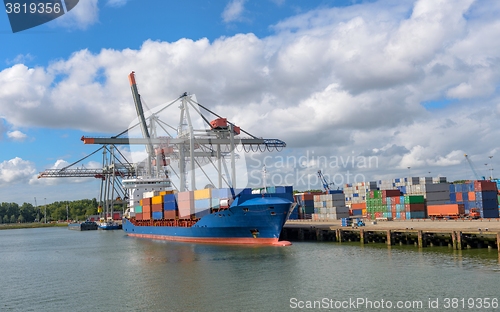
[170, 205]
[445, 210]
[187, 196]
[157, 215]
[169, 214]
[157, 200]
[202, 194]
[157, 207]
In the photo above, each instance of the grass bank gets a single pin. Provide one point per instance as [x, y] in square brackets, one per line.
[10, 226]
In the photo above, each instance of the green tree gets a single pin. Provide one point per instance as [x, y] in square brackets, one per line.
[13, 219]
[5, 219]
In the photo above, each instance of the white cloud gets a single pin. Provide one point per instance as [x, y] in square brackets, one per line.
[17, 135]
[334, 80]
[86, 13]
[21, 59]
[233, 11]
[15, 171]
[117, 3]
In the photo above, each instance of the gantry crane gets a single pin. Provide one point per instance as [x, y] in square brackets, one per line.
[326, 184]
[111, 173]
[189, 146]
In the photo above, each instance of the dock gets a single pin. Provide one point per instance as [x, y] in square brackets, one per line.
[456, 234]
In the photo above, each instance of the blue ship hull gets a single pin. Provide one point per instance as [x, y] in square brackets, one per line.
[251, 219]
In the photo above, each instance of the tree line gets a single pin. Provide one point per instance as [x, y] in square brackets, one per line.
[77, 210]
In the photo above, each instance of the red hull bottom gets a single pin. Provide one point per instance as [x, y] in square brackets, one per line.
[226, 241]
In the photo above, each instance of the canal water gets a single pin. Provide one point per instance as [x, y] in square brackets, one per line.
[55, 269]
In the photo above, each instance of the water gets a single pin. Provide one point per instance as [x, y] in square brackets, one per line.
[54, 269]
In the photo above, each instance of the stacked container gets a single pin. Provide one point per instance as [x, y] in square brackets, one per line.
[146, 209]
[170, 209]
[358, 209]
[437, 194]
[202, 202]
[330, 207]
[185, 202]
[157, 207]
[306, 203]
[414, 207]
[481, 195]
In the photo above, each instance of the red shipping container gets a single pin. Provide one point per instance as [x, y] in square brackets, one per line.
[169, 214]
[396, 200]
[391, 193]
[485, 186]
[384, 200]
[372, 194]
[146, 201]
[146, 216]
[394, 214]
[459, 197]
[116, 216]
[156, 208]
[146, 208]
[402, 216]
[138, 216]
[415, 207]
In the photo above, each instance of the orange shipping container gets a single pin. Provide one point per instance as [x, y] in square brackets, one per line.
[358, 206]
[472, 196]
[157, 200]
[459, 197]
[445, 210]
[146, 208]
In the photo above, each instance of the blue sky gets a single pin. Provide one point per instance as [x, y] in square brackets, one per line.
[414, 83]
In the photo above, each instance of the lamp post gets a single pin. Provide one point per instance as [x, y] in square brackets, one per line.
[491, 168]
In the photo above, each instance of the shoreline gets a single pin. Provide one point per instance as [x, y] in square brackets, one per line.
[34, 225]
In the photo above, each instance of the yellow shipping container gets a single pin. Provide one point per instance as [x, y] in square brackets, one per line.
[163, 193]
[202, 194]
[363, 211]
[157, 199]
[169, 192]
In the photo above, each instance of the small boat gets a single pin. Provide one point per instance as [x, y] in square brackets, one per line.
[110, 225]
[84, 226]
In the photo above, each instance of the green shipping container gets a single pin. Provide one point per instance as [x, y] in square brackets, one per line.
[414, 199]
[138, 209]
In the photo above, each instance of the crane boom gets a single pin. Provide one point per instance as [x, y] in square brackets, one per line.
[326, 184]
[472, 168]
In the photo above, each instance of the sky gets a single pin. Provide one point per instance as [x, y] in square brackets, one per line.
[362, 90]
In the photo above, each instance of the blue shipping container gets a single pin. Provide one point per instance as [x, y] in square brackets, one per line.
[202, 204]
[170, 205]
[169, 198]
[489, 213]
[157, 215]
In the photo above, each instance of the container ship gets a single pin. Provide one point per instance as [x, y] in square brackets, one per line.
[162, 190]
[228, 216]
